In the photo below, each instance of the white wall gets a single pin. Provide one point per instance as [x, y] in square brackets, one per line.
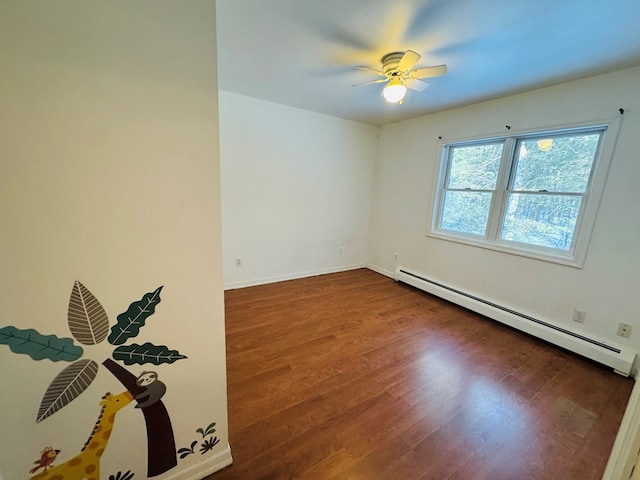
[109, 175]
[607, 285]
[296, 186]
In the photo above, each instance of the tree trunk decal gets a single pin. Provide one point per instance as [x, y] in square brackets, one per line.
[161, 446]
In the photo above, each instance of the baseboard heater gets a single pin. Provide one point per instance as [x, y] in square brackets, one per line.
[615, 357]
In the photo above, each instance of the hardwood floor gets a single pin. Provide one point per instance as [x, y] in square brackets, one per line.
[354, 376]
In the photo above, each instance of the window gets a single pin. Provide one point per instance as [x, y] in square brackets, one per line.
[533, 194]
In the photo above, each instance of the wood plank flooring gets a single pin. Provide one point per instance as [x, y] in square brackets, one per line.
[354, 376]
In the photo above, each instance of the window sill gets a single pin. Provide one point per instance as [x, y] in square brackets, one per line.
[568, 260]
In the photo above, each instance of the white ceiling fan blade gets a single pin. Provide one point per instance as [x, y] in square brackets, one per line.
[415, 84]
[372, 70]
[428, 72]
[380, 80]
[408, 60]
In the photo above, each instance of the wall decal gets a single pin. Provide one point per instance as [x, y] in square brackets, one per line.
[122, 476]
[146, 353]
[131, 321]
[38, 346]
[89, 324]
[47, 457]
[86, 465]
[207, 431]
[153, 391]
[69, 383]
[87, 319]
[185, 452]
[161, 446]
[206, 445]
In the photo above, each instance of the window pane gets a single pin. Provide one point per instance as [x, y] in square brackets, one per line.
[555, 164]
[544, 220]
[475, 166]
[466, 212]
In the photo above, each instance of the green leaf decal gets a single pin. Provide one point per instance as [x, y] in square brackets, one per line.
[38, 346]
[147, 353]
[88, 321]
[69, 383]
[122, 476]
[130, 322]
[207, 431]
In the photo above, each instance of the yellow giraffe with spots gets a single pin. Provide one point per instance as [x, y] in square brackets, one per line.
[86, 465]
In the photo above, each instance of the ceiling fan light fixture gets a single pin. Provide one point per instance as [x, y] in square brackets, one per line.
[394, 91]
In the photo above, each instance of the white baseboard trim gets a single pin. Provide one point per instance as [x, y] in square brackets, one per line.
[207, 467]
[291, 276]
[625, 448]
[381, 271]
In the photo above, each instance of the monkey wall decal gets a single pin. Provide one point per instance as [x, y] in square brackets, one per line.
[153, 391]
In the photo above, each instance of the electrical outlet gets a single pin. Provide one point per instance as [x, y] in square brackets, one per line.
[238, 262]
[624, 330]
[579, 315]
[340, 250]
[395, 257]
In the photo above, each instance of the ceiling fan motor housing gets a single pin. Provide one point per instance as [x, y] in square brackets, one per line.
[390, 63]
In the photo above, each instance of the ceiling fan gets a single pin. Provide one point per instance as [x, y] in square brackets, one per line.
[397, 72]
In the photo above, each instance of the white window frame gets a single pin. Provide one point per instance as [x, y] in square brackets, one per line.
[573, 257]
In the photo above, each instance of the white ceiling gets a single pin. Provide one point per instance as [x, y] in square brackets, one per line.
[304, 53]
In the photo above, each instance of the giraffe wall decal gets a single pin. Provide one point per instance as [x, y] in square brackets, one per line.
[86, 465]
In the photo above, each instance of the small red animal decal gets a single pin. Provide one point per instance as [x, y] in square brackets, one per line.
[47, 456]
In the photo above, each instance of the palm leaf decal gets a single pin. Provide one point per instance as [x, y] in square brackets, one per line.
[130, 322]
[88, 321]
[147, 353]
[37, 346]
[67, 386]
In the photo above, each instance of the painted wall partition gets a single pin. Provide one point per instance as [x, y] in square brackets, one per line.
[112, 352]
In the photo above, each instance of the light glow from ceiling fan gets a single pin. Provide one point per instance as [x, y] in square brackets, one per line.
[394, 91]
[545, 144]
